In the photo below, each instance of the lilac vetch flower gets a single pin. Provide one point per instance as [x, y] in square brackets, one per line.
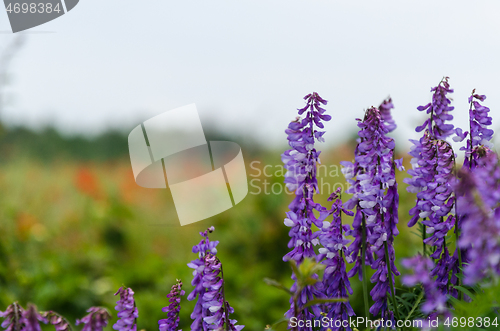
[385, 112]
[433, 176]
[13, 316]
[202, 249]
[373, 186]
[479, 197]
[439, 109]
[127, 311]
[435, 299]
[96, 320]
[58, 321]
[479, 134]
[214, 303]
[335, 281]
[31, 319]
[301, 162]
[432, 179]
[171, 323]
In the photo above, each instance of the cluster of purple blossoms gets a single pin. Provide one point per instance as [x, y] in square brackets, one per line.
[211, 310]
[385, 112]
[202, 249]
[171, 323]
[335, 281]
[96, 319]
[479, 198]
[213, 299]
[433, 176]
[439, 109]
[301, 161]
[375, 196]
[435, 299]
[19, 319]
[432, 179]
[59, 322]
[479, 134]
[31, 319]
[16, 318]
[127, 311]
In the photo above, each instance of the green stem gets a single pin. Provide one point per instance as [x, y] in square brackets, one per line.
[388, 261]
[424, 235]
[226, 312]
[460, 294]
[457, 237]
[421, 295]
[363, 266]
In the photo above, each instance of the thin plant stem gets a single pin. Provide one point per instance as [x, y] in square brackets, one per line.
[424, 235]
[363, 268]
[421, 295]
[226, 312]
[389, 271]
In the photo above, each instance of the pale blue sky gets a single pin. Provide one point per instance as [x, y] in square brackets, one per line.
[247, 64]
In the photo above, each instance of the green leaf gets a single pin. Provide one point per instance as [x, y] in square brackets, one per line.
[406, 303]
[272, 282]
[465, 291]
[281, 325]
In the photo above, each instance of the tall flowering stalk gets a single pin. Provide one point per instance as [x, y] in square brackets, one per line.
[479, 198]
[479, 134]
[335, 281]
[127, 311]
[301, 161]
[214, 301]
[432, 179]
[202, 249]
[478, 143]
[375, 197]
[96, 319]
[171, 323]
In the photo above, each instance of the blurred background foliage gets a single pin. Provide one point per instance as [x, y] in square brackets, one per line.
[74, 227]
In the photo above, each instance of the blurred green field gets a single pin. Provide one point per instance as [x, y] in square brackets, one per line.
[74, 227]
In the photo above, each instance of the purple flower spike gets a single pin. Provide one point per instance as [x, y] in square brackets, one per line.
[439, 110]
[435, 299]
[127, 311]
[385, 112]
[335, 281]
[301, 163]
[31, 319]
[374, 195]
[13, 316]
[479, 197]
[171, 323]
[479, 134]
[432, 179]
[202, 249]
[96, 320]
[216, 308]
